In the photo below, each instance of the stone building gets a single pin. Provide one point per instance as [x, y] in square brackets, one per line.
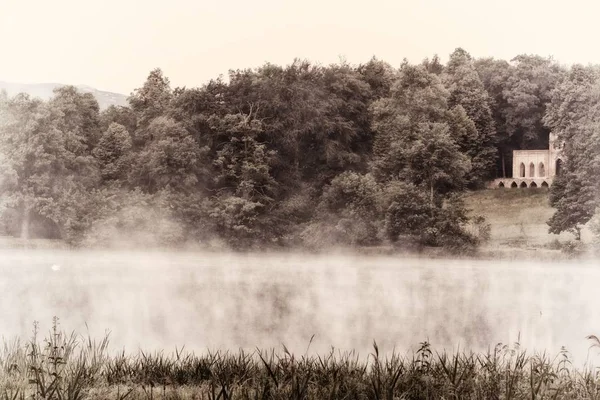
[533, 168]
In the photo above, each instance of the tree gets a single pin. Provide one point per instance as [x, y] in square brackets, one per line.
[113, 153]
[288, 101]
[193, 107]
[417, 97]
[124, 116]
[171, 159]
[519, 92]
[413, 139]
[575, 205]
[494, 75]
[464, 133]
[413, 220]
[433, 66]
[315, 118]
[574, 115]
[77, 116]
[243, 164]
[418, 159]
[150, 101]
[345, 138]
[237, 221]
[379, 75]
[348, 213]
[528, 90]
[131, 219]
[467, 90]
[46, 167]
[571, 102]
[408, 210]
[435, 160]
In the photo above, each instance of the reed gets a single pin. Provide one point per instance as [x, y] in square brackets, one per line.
[70, 366]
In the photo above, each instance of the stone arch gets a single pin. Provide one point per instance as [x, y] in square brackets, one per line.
[542, 169]
[501, 185]
[558, 169]
[544, 184]
[523, 184]
[531, 170]
[514, 184]
[522, 170]
[533, 185]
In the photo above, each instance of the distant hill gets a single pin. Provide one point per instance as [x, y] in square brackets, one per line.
[45, 91]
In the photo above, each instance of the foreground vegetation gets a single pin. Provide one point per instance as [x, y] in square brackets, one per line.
[69, 367]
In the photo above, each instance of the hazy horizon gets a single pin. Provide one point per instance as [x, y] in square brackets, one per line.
[112, 46]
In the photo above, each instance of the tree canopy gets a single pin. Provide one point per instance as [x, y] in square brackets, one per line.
[296, 155]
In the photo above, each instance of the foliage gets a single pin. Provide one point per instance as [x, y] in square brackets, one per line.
[303, 154]
[113, 153]
[574, 115]
[467, 91]
[519, 93]
[417, 98]
[411, 218]
[237, 220]
[133, 219]
[528, 90]
[348, 213]
[595, 228]
[44, 164]
[170, 158]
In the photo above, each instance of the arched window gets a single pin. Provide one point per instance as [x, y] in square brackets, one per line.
[533, 185]
[523, 185]
[501, 185]
[542, 170]
[531, 170]
[522, 170]
[514, 185]
[558, 169]
[544, 184]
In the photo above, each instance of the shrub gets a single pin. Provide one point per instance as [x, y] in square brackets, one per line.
[412, 216]
[480, 228]
[348, 213]
[134, 219]
[236, 220]
[573, 248]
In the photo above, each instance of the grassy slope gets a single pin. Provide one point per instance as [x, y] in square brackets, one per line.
[517, 217]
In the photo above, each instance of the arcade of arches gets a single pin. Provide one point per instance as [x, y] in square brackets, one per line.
[533, 168]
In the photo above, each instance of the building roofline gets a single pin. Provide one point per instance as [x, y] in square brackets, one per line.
[530, 151]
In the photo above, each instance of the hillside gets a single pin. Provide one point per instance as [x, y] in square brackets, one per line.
[45, 91]
[517, 217]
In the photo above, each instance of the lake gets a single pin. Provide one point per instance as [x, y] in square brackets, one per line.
[158, 300]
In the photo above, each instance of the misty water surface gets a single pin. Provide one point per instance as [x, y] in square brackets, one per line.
[210, 301]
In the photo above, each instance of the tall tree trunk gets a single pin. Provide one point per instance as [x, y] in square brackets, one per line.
[25, 221]
[503, 164]
[431, 193]
[297, 162]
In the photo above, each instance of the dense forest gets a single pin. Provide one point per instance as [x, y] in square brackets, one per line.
[304, 155]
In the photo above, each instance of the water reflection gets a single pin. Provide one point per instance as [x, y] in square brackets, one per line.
[159, 300]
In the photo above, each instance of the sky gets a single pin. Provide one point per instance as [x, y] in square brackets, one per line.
[113, 44]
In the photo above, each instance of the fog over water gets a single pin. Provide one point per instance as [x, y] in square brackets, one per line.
[229, 301]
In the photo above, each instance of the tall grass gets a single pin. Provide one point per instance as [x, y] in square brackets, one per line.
[68, 366]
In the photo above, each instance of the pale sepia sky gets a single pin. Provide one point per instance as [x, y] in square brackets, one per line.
[113, 44]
